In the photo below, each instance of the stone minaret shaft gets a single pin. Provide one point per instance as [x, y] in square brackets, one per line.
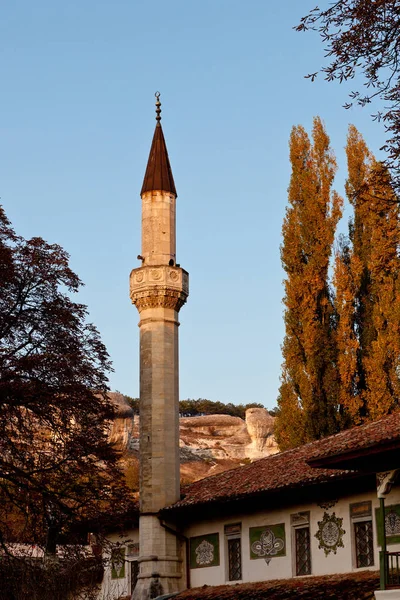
[158, 289]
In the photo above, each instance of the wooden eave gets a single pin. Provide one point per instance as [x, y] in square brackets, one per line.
[315, 491]
[383, 456]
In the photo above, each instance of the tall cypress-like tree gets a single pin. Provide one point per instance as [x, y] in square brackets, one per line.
[308, 399]
[367, 281]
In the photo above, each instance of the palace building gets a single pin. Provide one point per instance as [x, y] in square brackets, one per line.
[329, 507]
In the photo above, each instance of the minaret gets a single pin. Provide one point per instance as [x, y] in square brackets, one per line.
[158, 289]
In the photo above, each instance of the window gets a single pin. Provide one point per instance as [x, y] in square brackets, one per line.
[133, 555]
[234, 559]
[302, 543]
[364, 544]
[361, 516]
[303, 551]
[234, 551]
[134, 574]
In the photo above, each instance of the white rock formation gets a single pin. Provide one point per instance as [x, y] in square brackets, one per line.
[230, 437]
[208, 444]
[260, 425]
[122, 428]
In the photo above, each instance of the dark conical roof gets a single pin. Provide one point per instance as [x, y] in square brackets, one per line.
[158, 174]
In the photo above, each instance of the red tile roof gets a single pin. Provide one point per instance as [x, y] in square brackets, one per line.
[376, 434]
[290, 469]
[283, 471]
[350, 586]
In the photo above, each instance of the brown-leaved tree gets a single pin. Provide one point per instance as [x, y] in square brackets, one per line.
[367, 282]
[57, 468]
[308, 402]
[361, 37]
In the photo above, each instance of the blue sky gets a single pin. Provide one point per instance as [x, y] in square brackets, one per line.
[77, 119]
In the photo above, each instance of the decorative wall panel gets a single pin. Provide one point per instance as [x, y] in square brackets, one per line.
[330, 533]
[118, 563]
[204, 551]
[267, 542]
[392, 524]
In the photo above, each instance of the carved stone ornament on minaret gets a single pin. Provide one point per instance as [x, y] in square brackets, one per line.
[161, 286]
[158, 289]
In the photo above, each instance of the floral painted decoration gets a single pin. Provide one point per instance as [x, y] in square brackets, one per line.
[330, 533]
[268, 545]
[204, 551]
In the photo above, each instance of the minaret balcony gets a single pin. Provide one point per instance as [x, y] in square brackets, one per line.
[159, 286]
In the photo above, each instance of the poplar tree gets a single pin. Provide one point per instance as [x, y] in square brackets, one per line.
[367, 272]
[308, 402]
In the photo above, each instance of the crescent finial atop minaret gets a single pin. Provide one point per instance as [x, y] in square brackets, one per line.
[158, 107]
[158, 176]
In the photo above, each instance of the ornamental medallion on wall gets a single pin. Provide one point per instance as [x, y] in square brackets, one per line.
[330, 533]
[267, 542]
[204, 551]
[392, 524]
[118, 563]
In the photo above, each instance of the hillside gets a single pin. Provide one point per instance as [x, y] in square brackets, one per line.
[208, 444]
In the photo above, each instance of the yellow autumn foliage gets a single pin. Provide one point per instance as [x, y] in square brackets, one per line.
[308, 394]
[366, 279]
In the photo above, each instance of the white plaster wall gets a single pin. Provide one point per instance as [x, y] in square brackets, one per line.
[111, 589]
[208, 575]
[283, 567]
[257, 570]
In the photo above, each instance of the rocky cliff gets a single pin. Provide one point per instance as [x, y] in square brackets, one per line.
[208, 444]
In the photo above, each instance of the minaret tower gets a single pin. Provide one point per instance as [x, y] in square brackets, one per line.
[158, 289]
